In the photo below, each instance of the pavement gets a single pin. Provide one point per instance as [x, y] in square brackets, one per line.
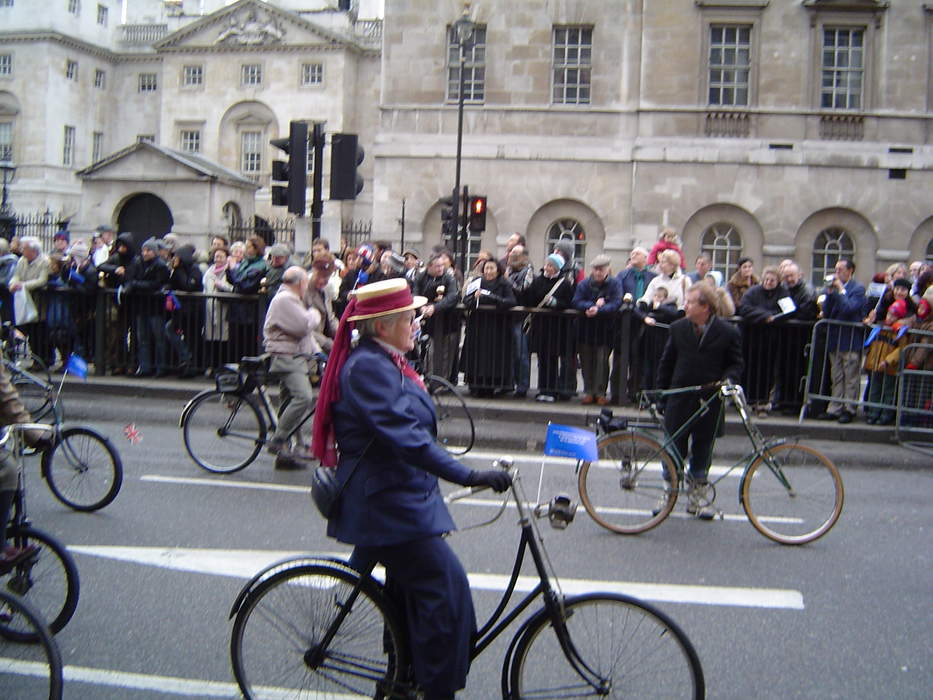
[509, 423]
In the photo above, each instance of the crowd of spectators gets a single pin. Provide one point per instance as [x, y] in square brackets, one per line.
[153, 328]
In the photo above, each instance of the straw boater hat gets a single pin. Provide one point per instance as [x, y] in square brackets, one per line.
[384, 298]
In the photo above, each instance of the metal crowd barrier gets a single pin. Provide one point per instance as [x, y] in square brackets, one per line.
[913, 426]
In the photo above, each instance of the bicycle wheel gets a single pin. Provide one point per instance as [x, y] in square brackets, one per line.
[792, 494]
[633, 485]
[625, 648]
[48, 580]
[224, 432]
[274, 650]
[83, 469]
[455, 430]
[27, 670]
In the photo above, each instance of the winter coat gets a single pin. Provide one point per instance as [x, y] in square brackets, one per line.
[117, 260]
[885, 348]
[758, 303]
[215, 309]
[601, 329]
[737, 287]
[446, 319]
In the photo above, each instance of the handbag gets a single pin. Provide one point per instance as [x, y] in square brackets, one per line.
[326, 490]
[24, 308]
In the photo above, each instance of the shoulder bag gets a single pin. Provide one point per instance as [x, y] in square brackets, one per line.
[326, 490]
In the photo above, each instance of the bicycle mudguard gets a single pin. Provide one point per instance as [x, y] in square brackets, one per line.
[281, 565]
[187, 409]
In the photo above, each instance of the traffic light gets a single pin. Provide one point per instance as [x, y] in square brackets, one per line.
[477, 214]
[295, 172]
[448, 224]
[345, 157]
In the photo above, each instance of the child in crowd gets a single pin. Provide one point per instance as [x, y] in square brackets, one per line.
[660, 310]
[667, 240]
[881, 362]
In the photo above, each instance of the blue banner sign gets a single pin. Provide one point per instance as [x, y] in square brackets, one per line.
[568, 441]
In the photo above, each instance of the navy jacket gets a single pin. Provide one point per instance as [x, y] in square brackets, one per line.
[845, 307]
[393, 496]
[627, 280]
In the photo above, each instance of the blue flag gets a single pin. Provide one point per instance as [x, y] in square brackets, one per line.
[568, 441]
[77, 366]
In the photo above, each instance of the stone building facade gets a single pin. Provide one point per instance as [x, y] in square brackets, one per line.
[766, 128]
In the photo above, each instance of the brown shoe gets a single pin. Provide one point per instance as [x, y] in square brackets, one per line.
[602, 401]
[289, 461]
[586, 400]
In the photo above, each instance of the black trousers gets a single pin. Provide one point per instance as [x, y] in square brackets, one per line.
[700, 436]
[427, 581]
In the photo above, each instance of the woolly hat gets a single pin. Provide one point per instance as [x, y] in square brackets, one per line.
[901, 282]
[152, 244]
[61, 235]
[898, 309]
[79, 250]
[556, 260]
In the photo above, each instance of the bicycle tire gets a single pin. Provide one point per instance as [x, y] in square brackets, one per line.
[207, 435]
[456, 432]
[281, 619]
[633, 485]
[799, 516]
[36, 398]
[49, 581]
[28, 670]
[83, 469]
[634, 649]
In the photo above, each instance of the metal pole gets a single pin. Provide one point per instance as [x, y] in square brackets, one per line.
[317, 182]
[460, 237]
[402, 222]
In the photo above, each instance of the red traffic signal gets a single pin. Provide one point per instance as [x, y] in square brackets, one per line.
[477, 214]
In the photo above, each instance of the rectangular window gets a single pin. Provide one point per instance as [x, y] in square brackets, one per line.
[312, 73]
[192, 76]
[573, 63]
[310, 150]
[251, 74]
[145, 138]
[100, 79]
[843, 68]
[474, 66]
[6, 64]
[729, 65]
[6, 141]
[68, 151]
[191, 140]
[74, 7]
[148, 82]
[71, 70]
[102, 15]
[97, 146]
[251, 152]
[6, 3]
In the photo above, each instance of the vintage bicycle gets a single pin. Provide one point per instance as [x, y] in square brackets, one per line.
[48, 577]
[83, 469]
[790, 492]
[313, 627]
[27, 670]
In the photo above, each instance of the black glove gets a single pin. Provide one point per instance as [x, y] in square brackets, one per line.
[496, 479]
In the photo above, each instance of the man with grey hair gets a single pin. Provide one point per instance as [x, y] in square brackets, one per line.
[32, 273]
[287, 336]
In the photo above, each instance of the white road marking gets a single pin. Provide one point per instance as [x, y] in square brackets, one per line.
[244, 564]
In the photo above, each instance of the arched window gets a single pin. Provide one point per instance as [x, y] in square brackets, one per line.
[568, 230]
[830, 245]
[474, 245]
[723, 244]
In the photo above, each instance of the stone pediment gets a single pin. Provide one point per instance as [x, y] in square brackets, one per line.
[250, 24]
[148, 162]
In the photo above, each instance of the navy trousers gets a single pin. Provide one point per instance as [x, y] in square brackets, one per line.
[427, 581]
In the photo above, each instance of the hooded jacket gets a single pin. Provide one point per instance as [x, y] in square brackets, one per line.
[118, 259]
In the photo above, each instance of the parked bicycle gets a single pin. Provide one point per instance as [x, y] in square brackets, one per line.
[27, 670]
[313, 627]
[456, 432]
[48, 577]
[82, 468]
[791, 493]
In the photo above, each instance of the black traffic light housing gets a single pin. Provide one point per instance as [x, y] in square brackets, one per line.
[448, 214]
[477, 213]
[346, 154]
[295, 172]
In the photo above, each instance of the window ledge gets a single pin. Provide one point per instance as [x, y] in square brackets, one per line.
[741, 4]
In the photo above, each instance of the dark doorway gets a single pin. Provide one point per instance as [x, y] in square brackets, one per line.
[145, 215]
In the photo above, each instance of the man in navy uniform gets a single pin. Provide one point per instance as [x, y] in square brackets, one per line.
[374, 407]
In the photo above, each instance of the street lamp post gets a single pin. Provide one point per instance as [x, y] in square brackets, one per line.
[463, 29]
[6, 215]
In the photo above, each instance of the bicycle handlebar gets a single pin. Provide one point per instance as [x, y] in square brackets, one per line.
[505, 462]
[8, 430]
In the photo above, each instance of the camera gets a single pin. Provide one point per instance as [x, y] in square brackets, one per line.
[829, 279]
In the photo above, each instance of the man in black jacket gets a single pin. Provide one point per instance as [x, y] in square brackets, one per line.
[146, 277]
[112, 274]
[184, 324]
[702, 348]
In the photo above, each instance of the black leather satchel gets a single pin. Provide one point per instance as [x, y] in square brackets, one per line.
[326, 490]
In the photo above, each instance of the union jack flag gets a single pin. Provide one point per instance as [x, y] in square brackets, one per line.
[132, 433]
